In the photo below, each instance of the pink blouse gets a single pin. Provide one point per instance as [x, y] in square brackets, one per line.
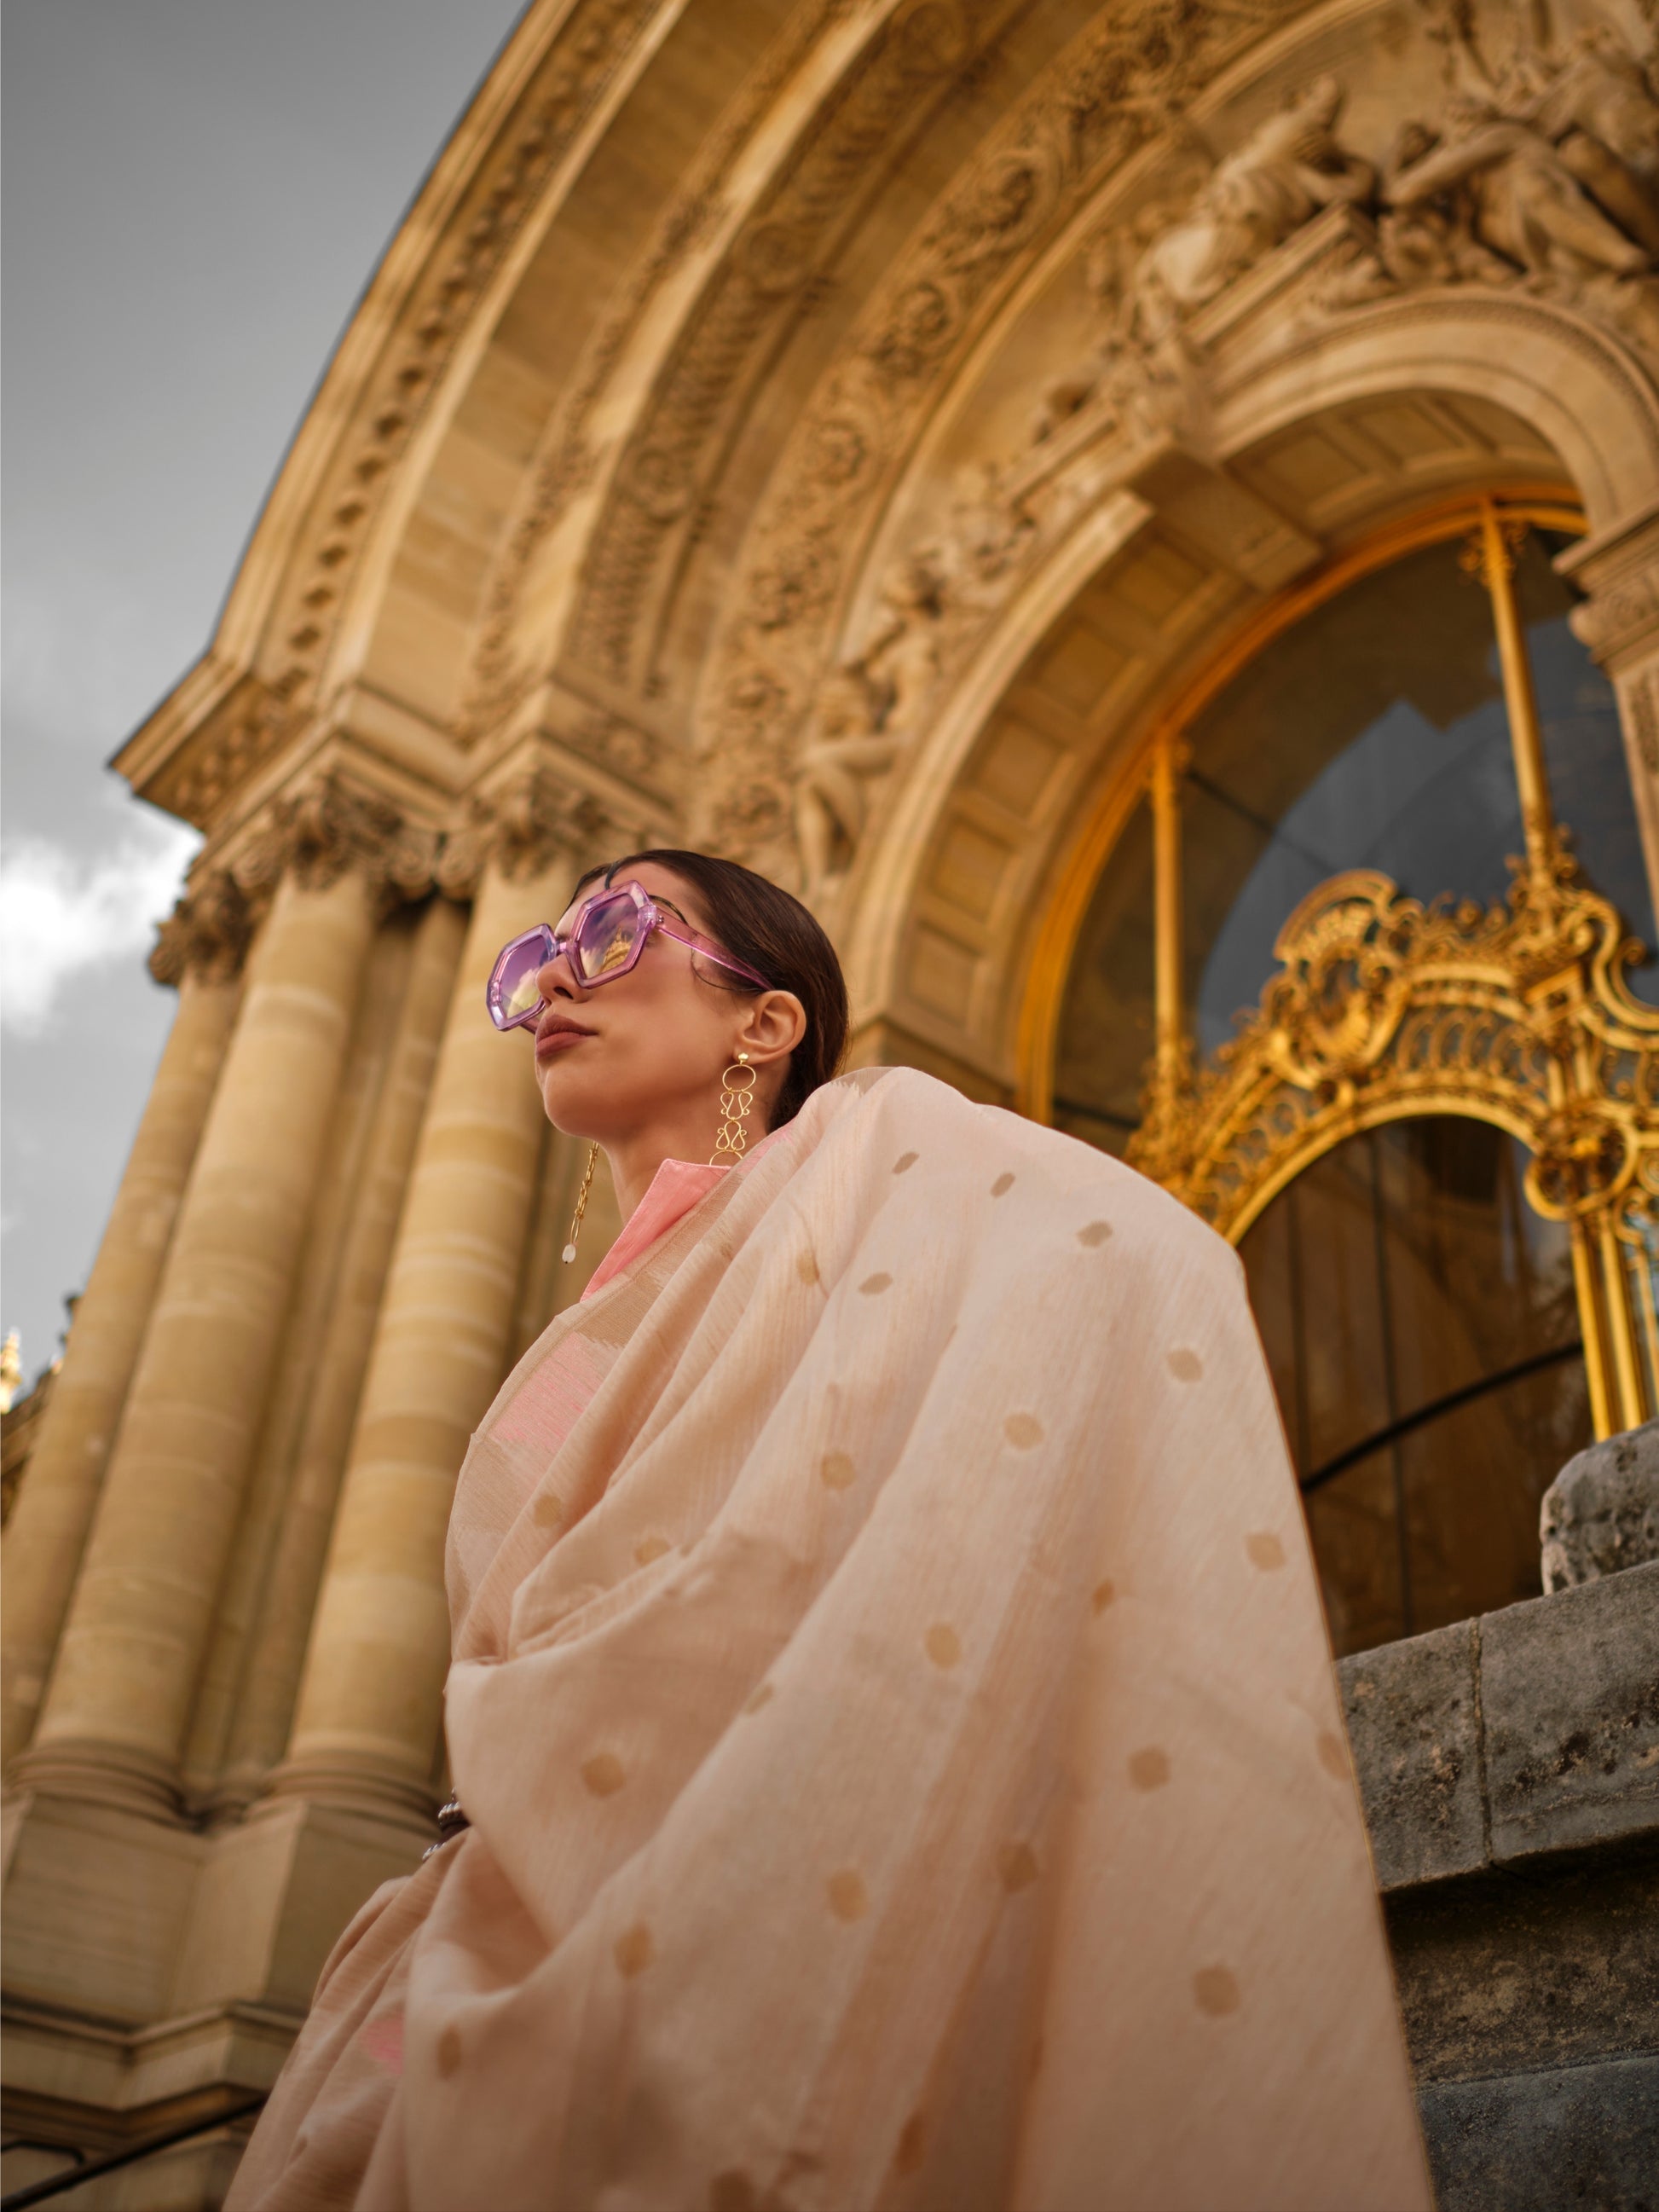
[675, 1189]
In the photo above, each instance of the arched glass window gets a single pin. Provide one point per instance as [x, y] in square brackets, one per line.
[1420, 1321]
[1426, 1323]
[1371, 735]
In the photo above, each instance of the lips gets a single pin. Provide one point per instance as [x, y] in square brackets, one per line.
[557, 1036]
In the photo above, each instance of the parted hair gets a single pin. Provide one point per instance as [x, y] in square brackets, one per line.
[762, 925]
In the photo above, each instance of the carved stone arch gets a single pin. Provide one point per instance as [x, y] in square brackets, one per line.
[956, 983]
[1585, 395]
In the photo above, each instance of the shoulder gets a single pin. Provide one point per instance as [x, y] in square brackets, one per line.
[899, 1119]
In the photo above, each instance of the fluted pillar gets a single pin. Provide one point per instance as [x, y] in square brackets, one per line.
[265, 1707]
[201, 951]
[119, 1699]
[371, 1694]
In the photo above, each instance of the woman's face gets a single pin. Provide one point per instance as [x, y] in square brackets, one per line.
[647, 1049]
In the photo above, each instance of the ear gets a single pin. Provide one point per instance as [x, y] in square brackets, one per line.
[774, 1023]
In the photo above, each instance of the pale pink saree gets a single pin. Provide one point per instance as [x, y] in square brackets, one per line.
[893, 1705]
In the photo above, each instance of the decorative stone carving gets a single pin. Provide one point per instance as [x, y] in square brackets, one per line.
[872, 705]
[1546, 176]
[1288, 170]
[760, 769]
[1543, 179]
[207, 932]
[328, 827]
[524, 827]
[1602, 1512]
[764, 283]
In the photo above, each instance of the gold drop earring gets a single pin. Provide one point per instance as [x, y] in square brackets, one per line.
[569, 1252]
[737, 1097]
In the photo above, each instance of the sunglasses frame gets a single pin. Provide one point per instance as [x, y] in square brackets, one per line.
[652, 917]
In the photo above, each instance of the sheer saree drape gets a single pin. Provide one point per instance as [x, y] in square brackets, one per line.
[895, 1713]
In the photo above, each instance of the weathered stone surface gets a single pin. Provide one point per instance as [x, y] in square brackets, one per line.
[1413, 1719]
[1601, 1514]
[1583, 2135]
[1569, 1706]
[1505, 1973]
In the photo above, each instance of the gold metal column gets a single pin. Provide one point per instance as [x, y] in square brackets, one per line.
[371, 1695]
[1612, 1359]
[1498, 547]
[1169, 1076]
[121, 1692]
[1169, 763]
[48, 1531]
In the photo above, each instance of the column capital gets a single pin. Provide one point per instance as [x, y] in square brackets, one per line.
[207, 932]
[329, 827]
[522, 827]
[1619, 620]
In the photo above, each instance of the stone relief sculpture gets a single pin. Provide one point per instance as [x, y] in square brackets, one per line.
[1175, 257]
[1546, 176]
[1540, 177]
[869, 707]
[1287, 171]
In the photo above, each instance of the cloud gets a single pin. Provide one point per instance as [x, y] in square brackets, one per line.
[61, 915]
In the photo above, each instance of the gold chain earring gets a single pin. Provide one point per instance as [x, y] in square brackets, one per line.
[569, 1252]
[737, 1097]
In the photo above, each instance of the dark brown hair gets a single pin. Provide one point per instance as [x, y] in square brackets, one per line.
[780, 938]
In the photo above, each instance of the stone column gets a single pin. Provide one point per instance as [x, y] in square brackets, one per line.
[265, 1706]
[371, 1695]
[201, 951]
[119, 1699]
[1618, 569]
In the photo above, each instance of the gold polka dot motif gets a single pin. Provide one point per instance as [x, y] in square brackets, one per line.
[604, 1773]
[1002, 1186]
[1023, 1431]
[1333, 1755]
[849, 1897]
[837, 1471]
[1016, 1867]
[912, 2145]
[905, 1161]
[873, 1285]
[547, 1511]
[1149, 1768]
[1185, 1364]
[758, 1699]
[1216, 1991]
[449, 2053]
[634, 1950]
[1094, 1233]
[1102, 1595]
[942, 1645]
[649, 1548]
[1263, 1549]
[806, 1268]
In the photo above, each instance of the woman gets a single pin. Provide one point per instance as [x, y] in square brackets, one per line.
[891, 1703]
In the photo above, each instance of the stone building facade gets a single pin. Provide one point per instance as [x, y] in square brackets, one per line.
[866, 438]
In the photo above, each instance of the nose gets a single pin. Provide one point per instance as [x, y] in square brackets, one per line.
[556, 978]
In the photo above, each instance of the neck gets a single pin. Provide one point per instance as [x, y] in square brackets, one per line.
[635, 1157]
[634, 1161]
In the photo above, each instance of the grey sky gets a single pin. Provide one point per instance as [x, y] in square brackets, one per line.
[195, 193]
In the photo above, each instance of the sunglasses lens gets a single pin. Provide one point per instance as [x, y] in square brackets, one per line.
[513, 990]
[610, 932]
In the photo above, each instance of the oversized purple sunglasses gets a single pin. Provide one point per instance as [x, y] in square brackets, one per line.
[607, 934]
